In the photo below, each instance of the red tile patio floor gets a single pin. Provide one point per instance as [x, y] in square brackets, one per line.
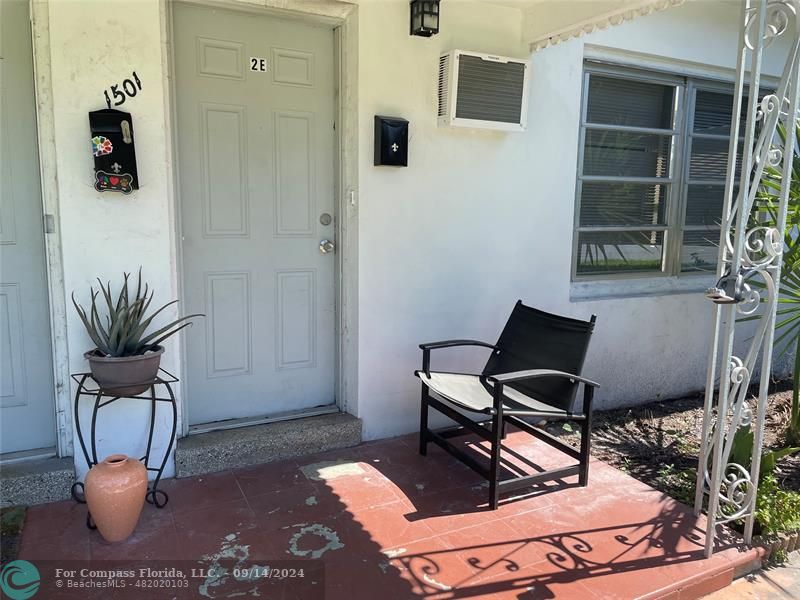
[387, 523]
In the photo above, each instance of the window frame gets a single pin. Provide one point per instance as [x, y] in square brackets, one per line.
[677, 184]
[693, 85]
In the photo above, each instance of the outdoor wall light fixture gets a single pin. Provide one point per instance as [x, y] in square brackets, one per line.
[424, 17]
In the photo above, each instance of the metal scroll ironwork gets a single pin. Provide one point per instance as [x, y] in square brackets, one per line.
[748, 268]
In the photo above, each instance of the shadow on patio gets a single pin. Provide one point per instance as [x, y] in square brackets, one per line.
[386, 522]
[565, 558]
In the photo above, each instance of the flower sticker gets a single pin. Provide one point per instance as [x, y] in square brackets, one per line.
[101, 146]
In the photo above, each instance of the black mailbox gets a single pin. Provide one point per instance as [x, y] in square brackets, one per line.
[391, 141]
[114, 151]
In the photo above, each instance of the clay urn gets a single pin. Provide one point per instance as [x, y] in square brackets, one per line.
[115, 489]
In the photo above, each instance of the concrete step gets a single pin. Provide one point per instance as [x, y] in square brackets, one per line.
[246, 446]
[36, 481]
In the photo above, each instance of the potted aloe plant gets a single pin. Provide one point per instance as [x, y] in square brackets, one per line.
[126, 358]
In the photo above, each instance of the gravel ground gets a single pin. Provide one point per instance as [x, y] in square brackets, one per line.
[658, 442]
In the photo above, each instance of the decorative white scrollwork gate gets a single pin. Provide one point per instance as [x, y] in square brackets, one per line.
[749, 267]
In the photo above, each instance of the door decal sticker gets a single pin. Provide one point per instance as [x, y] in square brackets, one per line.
[110, 182]
[258, 64]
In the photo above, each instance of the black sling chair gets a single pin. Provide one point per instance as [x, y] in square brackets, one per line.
[533, 371]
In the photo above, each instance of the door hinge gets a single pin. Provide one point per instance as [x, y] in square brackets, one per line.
[49, 223]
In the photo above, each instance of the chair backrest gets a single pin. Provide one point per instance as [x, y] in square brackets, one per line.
[534, 339]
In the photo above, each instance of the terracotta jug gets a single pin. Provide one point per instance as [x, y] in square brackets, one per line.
[115, 490]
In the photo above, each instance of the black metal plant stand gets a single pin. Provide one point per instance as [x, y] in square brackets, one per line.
[87, 386]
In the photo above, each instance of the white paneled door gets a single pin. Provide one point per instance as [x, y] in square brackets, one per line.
[255, 129]
[27, 416]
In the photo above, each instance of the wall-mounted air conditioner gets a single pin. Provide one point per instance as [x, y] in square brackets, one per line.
[483, 91]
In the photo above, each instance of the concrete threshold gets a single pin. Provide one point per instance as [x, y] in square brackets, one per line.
[246, 446]
[36, 481]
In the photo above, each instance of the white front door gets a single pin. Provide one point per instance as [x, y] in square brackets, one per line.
[255, 129]
[27, 416]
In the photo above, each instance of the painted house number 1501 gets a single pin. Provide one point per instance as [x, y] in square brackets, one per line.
[121, 92]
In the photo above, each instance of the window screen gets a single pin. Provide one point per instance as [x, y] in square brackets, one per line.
[707, 162]
[651, 173]
[625, 175]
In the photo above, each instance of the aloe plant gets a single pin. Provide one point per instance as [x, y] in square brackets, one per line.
[123, 331]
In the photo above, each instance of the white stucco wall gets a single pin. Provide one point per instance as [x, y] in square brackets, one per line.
[481, 219]
[446, 246]
[94, 45]
[435, 258]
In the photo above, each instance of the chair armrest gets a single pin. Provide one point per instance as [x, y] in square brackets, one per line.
[504, 378]
[453, 343]
[426, 348]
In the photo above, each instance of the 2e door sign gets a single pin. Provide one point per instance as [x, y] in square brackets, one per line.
[258, 64]
[119, 92]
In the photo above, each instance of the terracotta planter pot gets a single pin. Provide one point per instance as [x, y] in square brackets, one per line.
[115, 490]
[115, 375]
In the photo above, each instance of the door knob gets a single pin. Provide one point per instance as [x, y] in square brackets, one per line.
[326, 246]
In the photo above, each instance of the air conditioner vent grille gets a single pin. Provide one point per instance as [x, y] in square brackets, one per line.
[487, 90]
[444, 74]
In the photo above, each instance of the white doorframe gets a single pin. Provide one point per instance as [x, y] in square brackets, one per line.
[40, 29]
[346, 47]
[341, 17]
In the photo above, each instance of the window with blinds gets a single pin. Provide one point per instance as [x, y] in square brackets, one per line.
[708, 135]
[651, 174]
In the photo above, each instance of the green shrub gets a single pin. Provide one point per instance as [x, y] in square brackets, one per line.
[678, 484]
[777, 509]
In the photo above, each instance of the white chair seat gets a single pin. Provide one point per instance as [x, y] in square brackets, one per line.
[470, 393]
